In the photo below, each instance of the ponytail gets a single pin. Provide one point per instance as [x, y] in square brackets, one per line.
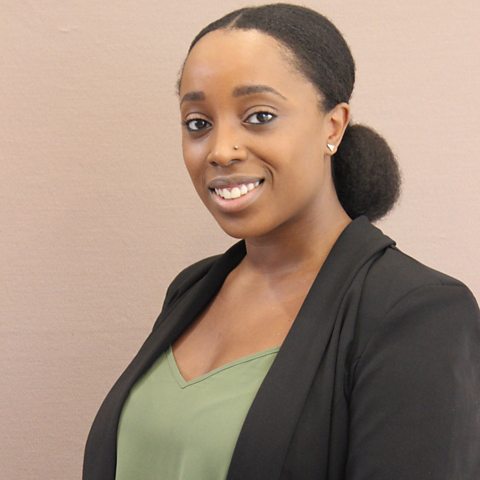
[365, 173]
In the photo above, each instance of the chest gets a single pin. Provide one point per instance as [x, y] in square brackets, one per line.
[237, 323]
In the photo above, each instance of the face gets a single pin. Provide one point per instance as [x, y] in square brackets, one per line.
[253, 136]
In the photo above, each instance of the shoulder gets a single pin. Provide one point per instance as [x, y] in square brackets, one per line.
[399, 289]
[214, 268]
[183, 281]
[396, 275]
[190, 275]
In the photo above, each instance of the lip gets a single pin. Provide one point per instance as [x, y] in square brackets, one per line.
[233, 205]
[232, 181]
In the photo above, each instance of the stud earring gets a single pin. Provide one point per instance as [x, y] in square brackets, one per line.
[331, 147]
[236, 147]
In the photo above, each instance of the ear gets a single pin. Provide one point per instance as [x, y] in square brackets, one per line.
[336, 122]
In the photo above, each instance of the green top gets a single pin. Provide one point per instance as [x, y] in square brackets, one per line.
[171, 429]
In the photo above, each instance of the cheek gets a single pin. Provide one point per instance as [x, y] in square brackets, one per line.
[193, 159]
[300, 182]
[297, 162]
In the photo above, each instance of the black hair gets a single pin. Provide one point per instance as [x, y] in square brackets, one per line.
[365, 172]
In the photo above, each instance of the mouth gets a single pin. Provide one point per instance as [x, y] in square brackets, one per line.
[235, 191]
[236, 197]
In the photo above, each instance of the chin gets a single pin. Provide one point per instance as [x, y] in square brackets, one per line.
[237, 231]
[242, 229]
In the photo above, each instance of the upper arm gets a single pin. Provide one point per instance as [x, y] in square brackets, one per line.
[415, 398]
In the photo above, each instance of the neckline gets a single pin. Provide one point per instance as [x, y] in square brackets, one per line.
[186, 383]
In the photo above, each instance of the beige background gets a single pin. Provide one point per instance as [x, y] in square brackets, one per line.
[96, 210]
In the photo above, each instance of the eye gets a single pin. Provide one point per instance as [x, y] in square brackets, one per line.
[197, 124]
[259, 118]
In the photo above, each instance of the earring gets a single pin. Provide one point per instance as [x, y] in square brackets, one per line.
[331, 147]
[236, 147]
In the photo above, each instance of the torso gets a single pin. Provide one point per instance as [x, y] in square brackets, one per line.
[248, 315]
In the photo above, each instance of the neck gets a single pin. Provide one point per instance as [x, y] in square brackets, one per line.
[298, 247]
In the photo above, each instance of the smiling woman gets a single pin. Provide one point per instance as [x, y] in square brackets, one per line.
[313, 348]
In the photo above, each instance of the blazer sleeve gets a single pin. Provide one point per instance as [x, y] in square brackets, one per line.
[415, 397]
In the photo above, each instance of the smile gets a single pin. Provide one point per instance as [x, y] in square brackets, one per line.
[236, 197]
[236, 191]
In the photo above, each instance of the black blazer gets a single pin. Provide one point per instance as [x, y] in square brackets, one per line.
[377, 379]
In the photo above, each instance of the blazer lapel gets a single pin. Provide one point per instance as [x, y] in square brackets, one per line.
[262, 446]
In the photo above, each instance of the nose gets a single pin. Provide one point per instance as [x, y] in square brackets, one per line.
[226, 149]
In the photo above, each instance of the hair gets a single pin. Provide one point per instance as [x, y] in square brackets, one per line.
[364, 169]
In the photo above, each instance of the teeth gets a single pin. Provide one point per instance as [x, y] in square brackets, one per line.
[236, 192]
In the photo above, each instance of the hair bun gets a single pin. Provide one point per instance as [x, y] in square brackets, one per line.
[366, 174]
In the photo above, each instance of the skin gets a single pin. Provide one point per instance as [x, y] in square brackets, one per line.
[294, 217]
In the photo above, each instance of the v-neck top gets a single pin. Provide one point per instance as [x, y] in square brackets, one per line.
[175, 429]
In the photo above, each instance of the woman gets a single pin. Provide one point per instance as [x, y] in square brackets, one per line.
[313, 348]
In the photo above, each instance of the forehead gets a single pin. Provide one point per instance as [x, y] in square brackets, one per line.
[240, 57]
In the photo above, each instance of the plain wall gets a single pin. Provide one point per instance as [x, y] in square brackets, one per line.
[97, 213]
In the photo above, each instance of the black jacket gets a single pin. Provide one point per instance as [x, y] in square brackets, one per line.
[377, 379]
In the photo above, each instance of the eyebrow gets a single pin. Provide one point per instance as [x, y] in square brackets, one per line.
[252, 89]
[192, 97]
[239, 91]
